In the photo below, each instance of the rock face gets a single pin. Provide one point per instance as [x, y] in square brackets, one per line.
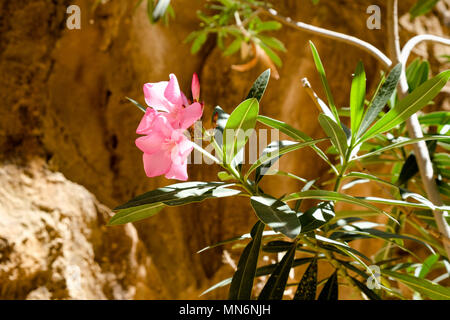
[67, 134]
[54, 243]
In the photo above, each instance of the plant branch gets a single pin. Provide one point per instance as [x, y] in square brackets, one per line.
[414, 129]
[363, 45]
[413, 42]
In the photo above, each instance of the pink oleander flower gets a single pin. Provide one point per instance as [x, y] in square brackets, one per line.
[165, 149]
[195, 87]
[166, 96]
[165, 146]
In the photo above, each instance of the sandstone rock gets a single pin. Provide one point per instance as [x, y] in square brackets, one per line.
[54, 243]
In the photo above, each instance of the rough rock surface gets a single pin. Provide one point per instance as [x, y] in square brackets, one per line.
[62, 106]
[54, 243]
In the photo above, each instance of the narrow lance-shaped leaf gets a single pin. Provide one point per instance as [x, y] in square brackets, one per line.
[307, 287]
[332, 196]
[137, 104]
[335, 132]
[150, 203]
[412, 103]
[260, 85]
[242, 283]
[316, 216]
[260, 272]
[330, 290]
[240, 122]
[418, 76]
[426, 287]
[294, 134]
[364, 289]
[220, 118]
[402, 142]
[357, 97]
[273, 152]
[382, 97]
[136, 213]
[422, 7]
[277, 215]
[275, 286]
[323, 78]
[428, 265]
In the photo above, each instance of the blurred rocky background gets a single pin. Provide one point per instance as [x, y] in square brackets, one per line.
[67, 153]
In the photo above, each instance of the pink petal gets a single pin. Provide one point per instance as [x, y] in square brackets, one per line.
[191, 114]
[195, 87]
[162, 125]
[178, 171]
[156, 164]
[173, 92]
[145, 126]
[151, 143]
[181, 151]
[185, 100]
[154, 96]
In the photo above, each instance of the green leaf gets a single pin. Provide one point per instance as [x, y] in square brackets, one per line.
[427, 265]
[225, 176]
[402, 142]
[260, 272]
[150, 203]
[160, 10]
[294, 134]
[268, 157]
[332, 196]
[422, 7]
[368, 292]
[277, 246]
[357, 98]
[242, 283]
[409, 105]
[330, 290]
[135, 213]
[259, 86]
[335, 132]
[182, 193]
[233, 48]
[435, 118]
[426, 287]
[273, 43]
[275, 286]
[277, 215]
[382, 97]
[418, 75]
[241, 120]
[285, 128]
[403, 203]
[199, 41]
[342, 248]
[323, 78]
[268, 26]
[221, 122]
[307, 287]
[137, 104]
[316, 216]
[442, 160]
[273, 152]
[272, 55]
